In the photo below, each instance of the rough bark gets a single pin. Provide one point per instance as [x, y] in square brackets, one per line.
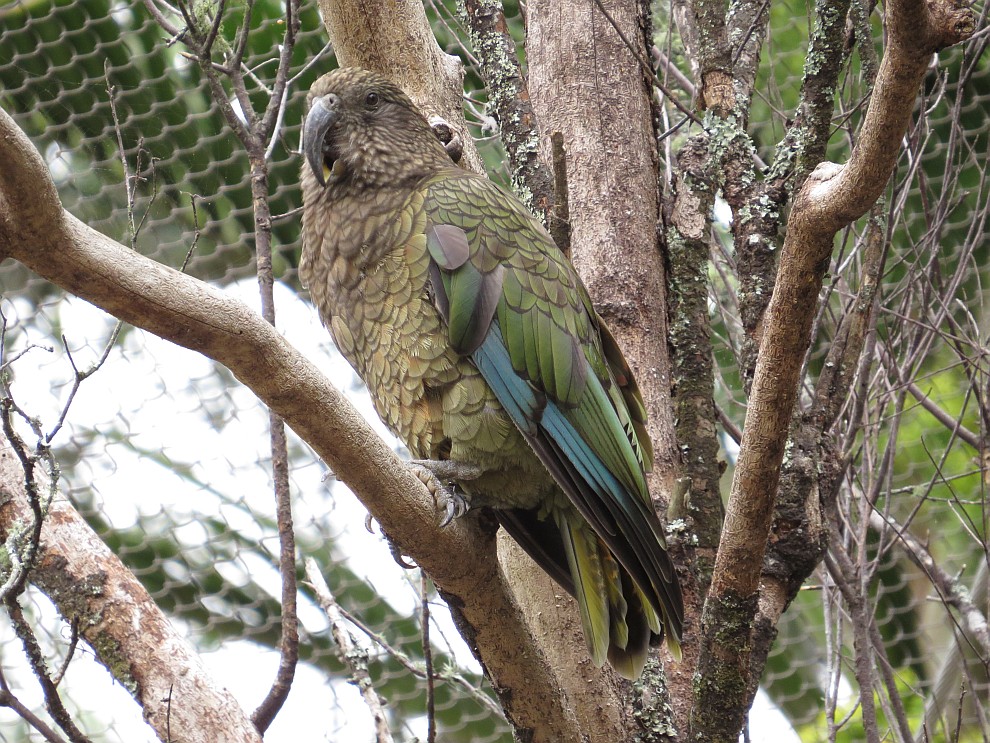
[699, 508]
[510, 105]
[119, 620]
[460, 559]
[587, 84]
[830, 199]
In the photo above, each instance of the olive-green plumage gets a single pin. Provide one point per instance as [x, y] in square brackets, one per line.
[479, 345]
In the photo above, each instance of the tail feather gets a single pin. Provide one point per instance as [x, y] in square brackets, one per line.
[618, 620]
[590, 587]
[628, 658]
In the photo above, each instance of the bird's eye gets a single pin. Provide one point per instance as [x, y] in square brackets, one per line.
[372, 100]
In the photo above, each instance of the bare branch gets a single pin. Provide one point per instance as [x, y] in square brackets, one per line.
[352, 656]
[81, 376]
[915, 32]
[950, 589]
[431, 712]
[289, 641]
[178, 308]
[162, 21]
[91, 587]
[952, 423]
[843, 572]
[53, 702]
[510, 104]
[8, 700]
[276, 103]
[819, 211]
[417, 670]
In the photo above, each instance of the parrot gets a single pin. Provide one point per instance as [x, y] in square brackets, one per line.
[483, 354]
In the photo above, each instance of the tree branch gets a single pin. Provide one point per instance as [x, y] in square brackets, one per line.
[460, 558]
[119, 620]
[509, 102]
[916, 31]
[354, 658]
[8, 700]
[950, 589]
[831, 198]
[588, 85]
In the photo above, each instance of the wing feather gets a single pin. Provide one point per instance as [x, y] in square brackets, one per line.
[517, 308]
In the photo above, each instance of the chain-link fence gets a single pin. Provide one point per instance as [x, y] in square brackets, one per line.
[167, 455]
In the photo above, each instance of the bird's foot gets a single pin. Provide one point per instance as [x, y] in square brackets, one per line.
[439, 477]
[448, 469]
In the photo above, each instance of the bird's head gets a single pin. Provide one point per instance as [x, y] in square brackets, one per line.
[362, 129]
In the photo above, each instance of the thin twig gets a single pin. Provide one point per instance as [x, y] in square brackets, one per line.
[317, 58]
[20, 554]
[953, 424]
[895, 710]
[214, 28]
[22, 352]
[662, 60]
[255, 134]
[647, 69]
[280, 88]
[843, 572]
[951, 591]
[53, 702]
[8, 700]
[431, 717]
[351, 655]
[73, 642]
[177, 34]
[128, 181]
[82, 376]
[196, 234]
[447, 675]
[240, 43]
[287, 216]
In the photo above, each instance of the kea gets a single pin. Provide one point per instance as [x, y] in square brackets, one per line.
[484, 355]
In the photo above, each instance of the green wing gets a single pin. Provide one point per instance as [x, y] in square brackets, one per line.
[515, 305]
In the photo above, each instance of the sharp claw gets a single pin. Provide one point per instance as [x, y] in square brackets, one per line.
[455, 506]
[449, 514]
[454, 503]
[399, 557]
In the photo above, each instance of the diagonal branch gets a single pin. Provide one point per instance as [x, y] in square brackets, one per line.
[460, 558]
[831, 198]
[916, 31]
[950, 589]
[119, 620]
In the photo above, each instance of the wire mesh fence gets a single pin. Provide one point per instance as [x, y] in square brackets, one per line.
[166, 455]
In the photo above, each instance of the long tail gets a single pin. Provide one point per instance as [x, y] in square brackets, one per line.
[619, 621]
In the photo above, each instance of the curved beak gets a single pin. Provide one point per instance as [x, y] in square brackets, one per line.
[319, 120]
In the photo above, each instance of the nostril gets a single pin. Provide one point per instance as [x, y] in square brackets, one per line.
[333, 99]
